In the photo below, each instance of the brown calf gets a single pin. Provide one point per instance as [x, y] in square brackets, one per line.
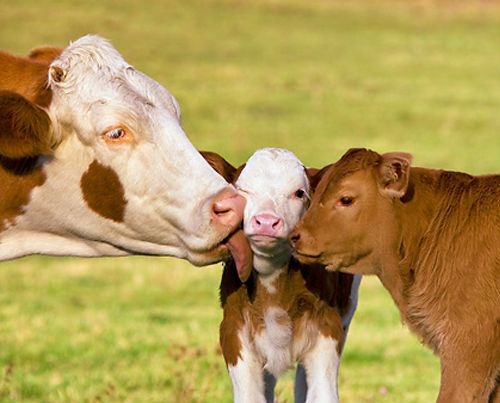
[433, 239]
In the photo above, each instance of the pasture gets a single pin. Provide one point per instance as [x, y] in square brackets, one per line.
[316, 77]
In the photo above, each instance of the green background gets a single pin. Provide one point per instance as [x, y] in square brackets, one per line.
[317, 77]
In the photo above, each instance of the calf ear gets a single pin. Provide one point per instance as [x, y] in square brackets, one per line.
[314, 175]
[219, 164]
[24, 127]
[44, 54]
[394, 173]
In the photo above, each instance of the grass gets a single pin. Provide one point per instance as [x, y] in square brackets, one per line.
[317, 77]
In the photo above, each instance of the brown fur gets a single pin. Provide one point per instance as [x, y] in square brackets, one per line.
[436, 249]
[17, 179]
[44, 54]
[24, 127]
[309, 295]
[26, 77]
[24, 132]
[103, 192]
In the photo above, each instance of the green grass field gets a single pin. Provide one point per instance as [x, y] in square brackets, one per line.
[315, 76]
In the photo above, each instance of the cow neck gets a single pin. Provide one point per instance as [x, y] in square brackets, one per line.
[18, 178]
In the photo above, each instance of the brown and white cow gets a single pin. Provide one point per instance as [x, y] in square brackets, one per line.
[282, 312]
[94, 162]
[433, 239]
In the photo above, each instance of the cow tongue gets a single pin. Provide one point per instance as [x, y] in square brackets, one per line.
[242, 254]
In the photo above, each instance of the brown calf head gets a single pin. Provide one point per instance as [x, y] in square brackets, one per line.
[352, 215]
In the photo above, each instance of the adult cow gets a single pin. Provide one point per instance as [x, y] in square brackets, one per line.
[94, 162]
[433, 239]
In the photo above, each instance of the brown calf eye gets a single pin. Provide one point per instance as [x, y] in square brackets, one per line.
[300, 194]
[346, 201]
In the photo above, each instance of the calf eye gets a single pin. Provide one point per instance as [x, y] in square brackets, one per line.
[345, 201]
[300, 194]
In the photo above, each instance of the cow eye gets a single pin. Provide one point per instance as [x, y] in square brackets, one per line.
[300, 194]
[345, 201]
[115, 134]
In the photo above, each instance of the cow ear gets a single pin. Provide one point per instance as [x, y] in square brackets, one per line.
[24, 127]
[57, 73]
[394, 173]
[220, 165]
[44, 54]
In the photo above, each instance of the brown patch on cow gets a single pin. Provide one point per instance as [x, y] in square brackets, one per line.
[44, 54]
[436, 248]
[26, 77]
[18, 178]
[307, 293]
[103, 192]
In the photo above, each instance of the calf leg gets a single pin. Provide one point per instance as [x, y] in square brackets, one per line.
[321, 364]
[269, 385]
[300, 385]
[248, 381]
[468, 374]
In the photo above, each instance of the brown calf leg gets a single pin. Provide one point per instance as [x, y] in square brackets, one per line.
[468, 373]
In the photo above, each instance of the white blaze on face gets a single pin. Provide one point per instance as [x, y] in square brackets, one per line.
[275, 185]
[105, 111]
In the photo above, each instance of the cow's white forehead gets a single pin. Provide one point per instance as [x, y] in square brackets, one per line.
[100, 72]
[273, 165]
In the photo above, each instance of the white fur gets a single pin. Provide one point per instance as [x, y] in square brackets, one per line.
[274, 343]
[168, 185]
[269, 182]
[321, 364]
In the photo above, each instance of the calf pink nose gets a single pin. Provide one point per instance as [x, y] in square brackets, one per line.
[227, 208]
[266, 224]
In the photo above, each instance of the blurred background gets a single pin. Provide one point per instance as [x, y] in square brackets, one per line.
[317, 77]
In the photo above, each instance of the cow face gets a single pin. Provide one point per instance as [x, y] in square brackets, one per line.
[120, 175]
[276, 187]
[352, 215]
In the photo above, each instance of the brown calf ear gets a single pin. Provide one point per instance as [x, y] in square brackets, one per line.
[314, 175]
[220, 165]
[24, 127]
[44, 54]
[394, 173]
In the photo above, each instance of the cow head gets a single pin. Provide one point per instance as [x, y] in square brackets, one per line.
[276, 187]
[119, 174]
[352, 220]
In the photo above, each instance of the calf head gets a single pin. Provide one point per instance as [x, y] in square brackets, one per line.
[352, 219]
[118, 170]
[276, 188]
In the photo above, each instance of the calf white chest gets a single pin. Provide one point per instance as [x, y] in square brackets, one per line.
[274, 342]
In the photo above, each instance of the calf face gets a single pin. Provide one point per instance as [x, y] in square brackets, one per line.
[276, 188]
[120, 175]
[351, 218]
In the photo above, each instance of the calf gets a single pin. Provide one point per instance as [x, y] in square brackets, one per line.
[282, 312]
[94, 162]
[433, 239]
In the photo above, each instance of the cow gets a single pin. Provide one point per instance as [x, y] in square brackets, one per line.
[433, 239]
[94, 162]
[281, 312]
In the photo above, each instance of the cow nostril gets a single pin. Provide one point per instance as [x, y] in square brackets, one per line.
[276, 223]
